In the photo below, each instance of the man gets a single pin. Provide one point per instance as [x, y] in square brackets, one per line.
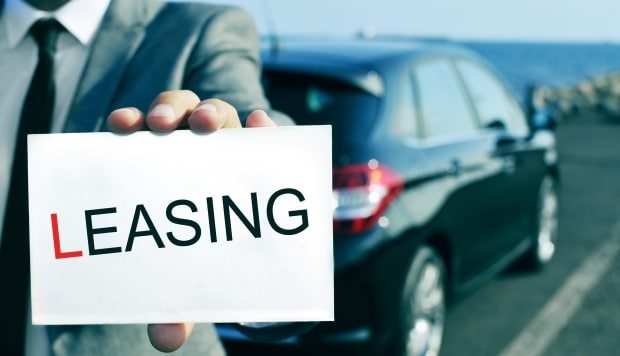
[64, 66]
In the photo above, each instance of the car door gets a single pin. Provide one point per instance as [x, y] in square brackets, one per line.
[499, 114]
[457, 150]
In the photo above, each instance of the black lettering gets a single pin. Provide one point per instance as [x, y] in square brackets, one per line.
[151, 231]
[91, 232]
[180, 221]
[254, 229]
[302, 213]
[211, 220]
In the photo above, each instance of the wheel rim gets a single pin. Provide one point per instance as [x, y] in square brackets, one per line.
[428, 313]
[548, 221]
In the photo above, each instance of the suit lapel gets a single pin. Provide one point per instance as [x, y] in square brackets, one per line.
[119, 36]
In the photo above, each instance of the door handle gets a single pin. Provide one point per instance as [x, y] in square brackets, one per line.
[505, 140]
[454, 167]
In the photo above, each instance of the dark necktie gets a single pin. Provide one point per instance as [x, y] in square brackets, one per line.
[36, 117]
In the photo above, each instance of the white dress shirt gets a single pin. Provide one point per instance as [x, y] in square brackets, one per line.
[18, 60]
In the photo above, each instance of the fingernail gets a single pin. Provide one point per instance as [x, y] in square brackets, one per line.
[162, 110]
[207, 107]
[125, 111]
[263, 113]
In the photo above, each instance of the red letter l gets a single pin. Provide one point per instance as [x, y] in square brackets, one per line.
[59, 254]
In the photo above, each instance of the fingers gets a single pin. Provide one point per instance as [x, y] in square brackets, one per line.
[173, 109]
[169, 337]
[213, 114]
[126, 120]
[259, 118]
[170, 109]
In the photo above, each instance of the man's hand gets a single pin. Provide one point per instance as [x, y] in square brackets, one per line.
[180, 109]
[169, 111]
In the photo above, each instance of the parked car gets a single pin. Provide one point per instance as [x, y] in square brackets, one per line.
[439, 180]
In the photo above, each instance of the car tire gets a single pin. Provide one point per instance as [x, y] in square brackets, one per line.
[423, 306]
[546, 227]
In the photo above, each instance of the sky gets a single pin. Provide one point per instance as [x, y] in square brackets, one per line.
[521, 20]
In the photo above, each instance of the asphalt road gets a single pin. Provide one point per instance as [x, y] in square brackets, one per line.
[572, 307]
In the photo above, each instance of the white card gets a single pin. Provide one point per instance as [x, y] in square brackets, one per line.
[233, 226]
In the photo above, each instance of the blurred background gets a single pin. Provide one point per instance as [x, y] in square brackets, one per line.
[559, 59]
[570, 49]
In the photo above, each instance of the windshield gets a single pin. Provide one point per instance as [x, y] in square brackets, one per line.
[313, 100]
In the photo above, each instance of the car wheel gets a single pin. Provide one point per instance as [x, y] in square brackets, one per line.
[546, 232]
[422, 311]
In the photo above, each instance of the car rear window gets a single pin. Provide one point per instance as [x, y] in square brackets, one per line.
[315, 100]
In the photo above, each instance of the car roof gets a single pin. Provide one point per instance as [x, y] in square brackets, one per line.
[355, 51]
[352, 59]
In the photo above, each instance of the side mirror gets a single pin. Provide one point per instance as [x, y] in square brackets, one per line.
[499, 126]
[543, 120]
[496, 124]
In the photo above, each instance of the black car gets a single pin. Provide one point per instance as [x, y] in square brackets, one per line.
[440, 182]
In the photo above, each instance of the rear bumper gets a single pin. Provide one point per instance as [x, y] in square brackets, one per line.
[353, 250]
[366, 300]
[353, 304]
[344, 337]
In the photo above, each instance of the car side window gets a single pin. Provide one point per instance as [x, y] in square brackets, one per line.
[444, 105]
[490, 98]
[404, 123]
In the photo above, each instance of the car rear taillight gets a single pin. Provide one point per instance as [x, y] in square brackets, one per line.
[362, 193]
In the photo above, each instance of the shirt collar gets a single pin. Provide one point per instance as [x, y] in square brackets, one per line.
[80, 17]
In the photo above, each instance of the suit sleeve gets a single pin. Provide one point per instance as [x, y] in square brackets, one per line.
[225, 64]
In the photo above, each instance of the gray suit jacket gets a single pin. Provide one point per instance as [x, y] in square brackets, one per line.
[143, 48]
